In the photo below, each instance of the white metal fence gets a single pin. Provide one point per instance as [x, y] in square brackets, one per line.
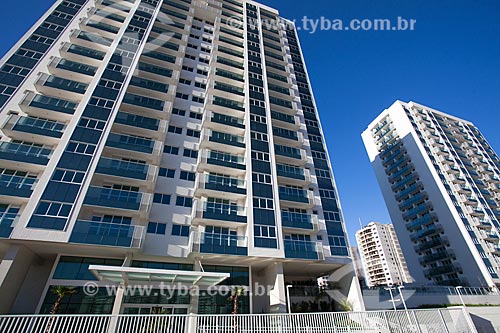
[453, 320]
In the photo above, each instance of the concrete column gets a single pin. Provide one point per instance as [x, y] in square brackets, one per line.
[13, 270]
[117, 305]
[276, 280]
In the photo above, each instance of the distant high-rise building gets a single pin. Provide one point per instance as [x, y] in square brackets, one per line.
[381, 256]
[162, 141]
[441, 183]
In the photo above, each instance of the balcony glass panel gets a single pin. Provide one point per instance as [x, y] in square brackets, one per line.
[293, 194]
[223, 212]
[223, 244]
[24, 153]
[76, 67]
[8, 216]
[225, 184]
[227, 120]
[300, 249]
[101, 233]
[290, 171]
[84, 51]
[296, 220]
[40, 126]
[229, 139]
[224, 159]
[53, 104]
[15, 185]
[130, 143]
[287, 151]
[107, 197]
[63, 84]
[228, 103]
[137, 121]
[121, 168]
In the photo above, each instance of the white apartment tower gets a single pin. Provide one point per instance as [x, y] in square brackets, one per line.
[150, 142]
[441, 183]
[382, 259]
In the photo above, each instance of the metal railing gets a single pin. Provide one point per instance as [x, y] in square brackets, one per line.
[452, 320]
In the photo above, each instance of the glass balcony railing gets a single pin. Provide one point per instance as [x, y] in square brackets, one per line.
[293, 194]
[228, 139]
[223, 244]
[130, 119]
[18, 186]
[229, 88]
[75, 67]
[149, 84]
[86, 52]
[222, 212]
[122, 168]
[300, 249]
[283, 117]
[53, 104]
[226, 160]
[7, 221]
[103, 26]
[24, 153]
[290, 171]
[127, 142]
[227, 120]
[288, 151]
[297, 220]
[108, 234]
[227, 103]
[286, 134]
[108, 197]
[64, 84]
[39, 126]
[144, 102]
[224, 184]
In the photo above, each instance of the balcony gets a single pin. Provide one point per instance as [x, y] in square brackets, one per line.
[401, 173]
[38, 130]
[293, 175]
[47, 107]
[290, 155]
[118, 199]
[420, 209]
[219, 244]
[223, 141]
[299, 249]
[7, 223]
[143, 86]
[223, 123]
[60, 88]
[430, 244]
[221, 187]
[288, 137]
[425, 260]
[285, 120]
[131, 172]
[431, 229]
[107, 234]
[90, 40]
[300, 221]
[295, 196]
[475, 211]
[23, 153]
[483, 224]
[462, 188]
[445, 269]
[142, 148]
[17, 186]
[217, 213]
[84, 55]
[408, 191]
[103, 25]
[417, 198]
[490, 237]
[72, 70]
[221, 162]
[143, 105]
[134, 124]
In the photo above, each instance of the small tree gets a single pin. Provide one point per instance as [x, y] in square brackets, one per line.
[60, 292]
[346, 305]
[234, 298]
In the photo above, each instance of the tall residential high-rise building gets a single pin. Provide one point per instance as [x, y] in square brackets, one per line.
[382, 259]
[441, 183]
[149, 142]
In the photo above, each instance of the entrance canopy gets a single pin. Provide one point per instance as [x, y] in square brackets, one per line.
[141, 276]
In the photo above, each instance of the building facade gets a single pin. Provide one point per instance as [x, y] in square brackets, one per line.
[440, 181]
[171, 141]
[381, 256]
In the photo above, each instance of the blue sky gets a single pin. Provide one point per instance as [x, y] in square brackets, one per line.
[451, 62]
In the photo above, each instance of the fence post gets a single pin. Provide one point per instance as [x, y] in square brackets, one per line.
[417, 325]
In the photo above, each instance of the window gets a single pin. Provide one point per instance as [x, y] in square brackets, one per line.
[182, 96]
[195, 115]
[162, 198]
[77, 268]
[184, 201]
[178, 112]
[186, 175]
[174, 129]
[264, 231]
[193, 133]
[164, 172]
[202, 72]
[156, 228]
[261, 178]
[80, 148]
[197, 99]
[187, 68]
[263, 203]
[53, 209]
[257, 155]
[184, 81]
[190, 153]
[68, 176]
[200, 85]
[171, 150]
[180, 230]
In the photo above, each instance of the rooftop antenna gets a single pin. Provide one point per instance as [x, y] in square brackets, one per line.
[360, 224]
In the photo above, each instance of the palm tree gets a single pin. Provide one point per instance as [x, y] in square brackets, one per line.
[235, 295]
[61, 292]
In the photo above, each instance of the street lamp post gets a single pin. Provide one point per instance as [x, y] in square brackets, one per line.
[392, 297]
[457, 288]
[289, 305]
[402, 297]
